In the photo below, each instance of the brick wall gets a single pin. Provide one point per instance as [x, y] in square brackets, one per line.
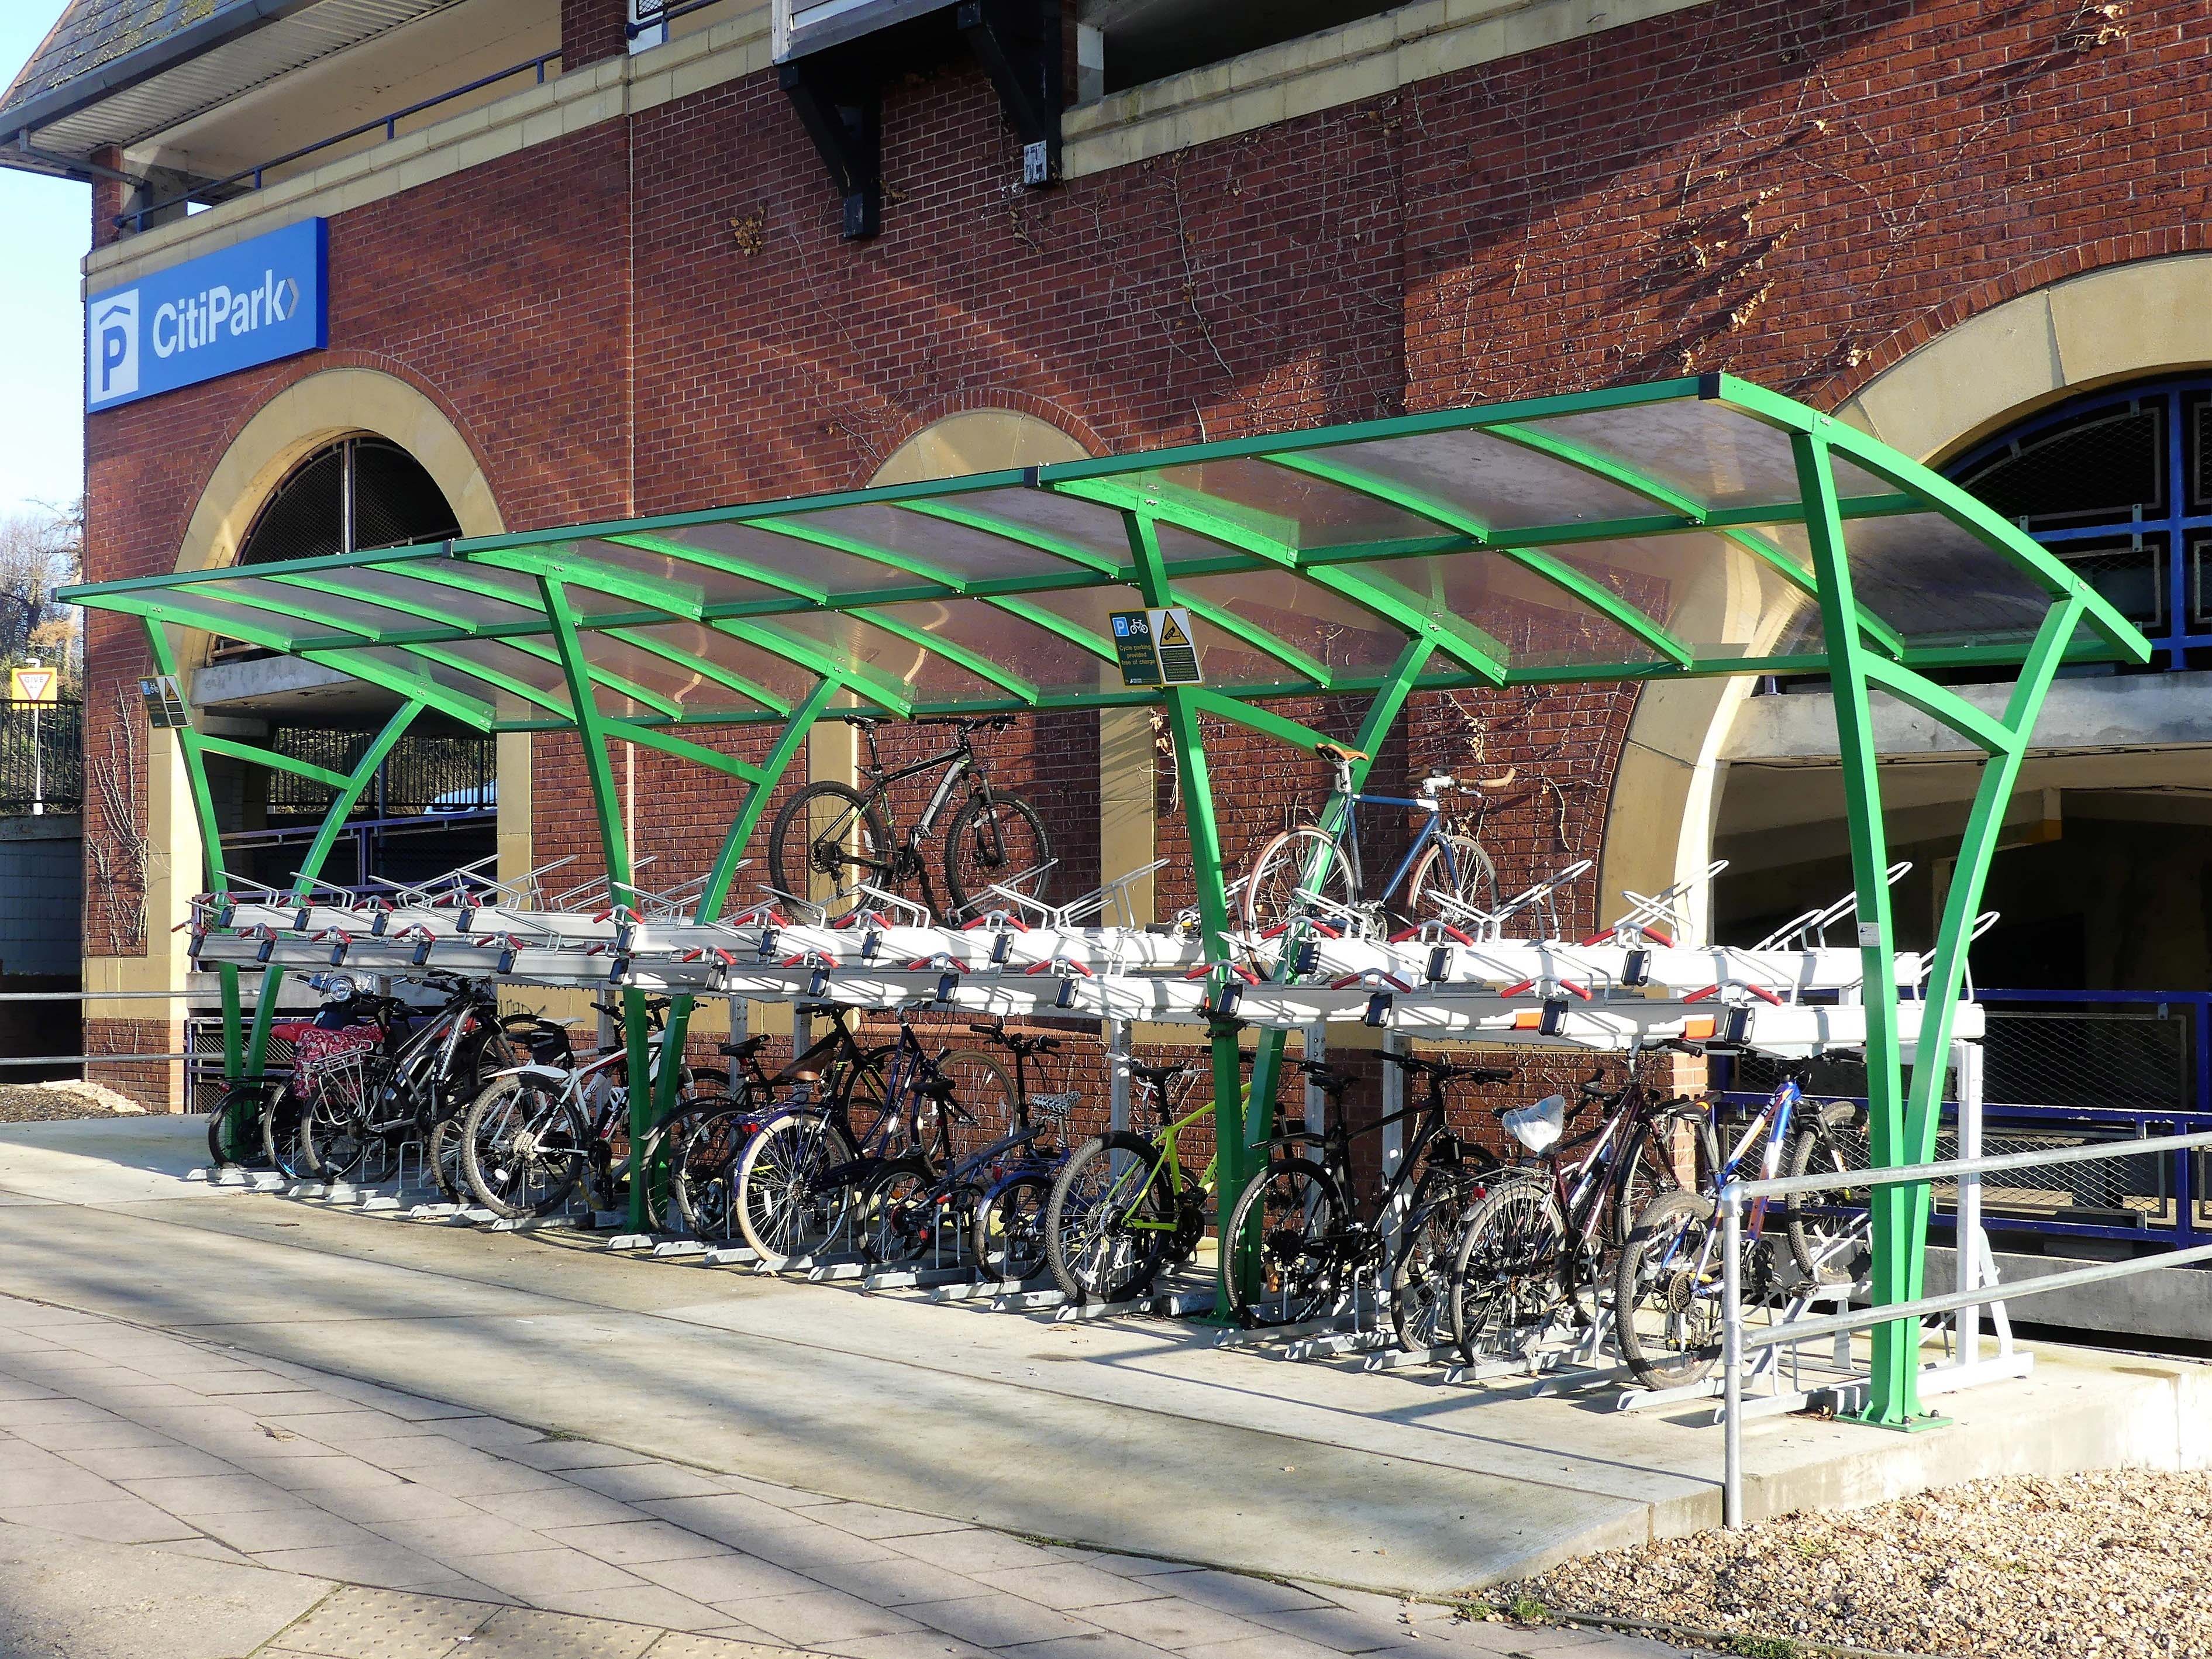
[657, 313]
[590, 30]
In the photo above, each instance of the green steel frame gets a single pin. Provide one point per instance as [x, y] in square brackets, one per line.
[746, 622]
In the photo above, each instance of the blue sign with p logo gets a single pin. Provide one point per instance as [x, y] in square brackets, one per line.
[241, 306]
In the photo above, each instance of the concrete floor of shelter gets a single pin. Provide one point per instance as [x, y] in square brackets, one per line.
[1119, 1436]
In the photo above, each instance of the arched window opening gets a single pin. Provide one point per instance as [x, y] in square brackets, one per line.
[357, 493]
[2119, 484]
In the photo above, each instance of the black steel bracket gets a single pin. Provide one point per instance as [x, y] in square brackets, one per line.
[1018, 43]
[839, 102]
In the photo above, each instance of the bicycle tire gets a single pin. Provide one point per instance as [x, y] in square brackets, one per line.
[444, 1157]
[780, 1212]
[1826, 1250]
[1006, 840]
[1420, 1276]
[901, 1216]
[523, 1148]
[1666, 1317]
[334, 1134]
[1010, 1229]
[1294, 1213]
[223, 1140]
[704, 1177]
[280, 1133]
[1094, 1254]
[984, 1086]
[1280, 868]
[820, 816]
[1505, 1273]
[1476, 881]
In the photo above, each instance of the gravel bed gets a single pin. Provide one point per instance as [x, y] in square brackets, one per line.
[2105, 1565]
[48, 1103]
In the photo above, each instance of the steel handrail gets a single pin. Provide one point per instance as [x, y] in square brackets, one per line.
[1735, 1341]
[136, 219]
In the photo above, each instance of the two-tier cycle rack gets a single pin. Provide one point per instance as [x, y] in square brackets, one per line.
[1692, 527]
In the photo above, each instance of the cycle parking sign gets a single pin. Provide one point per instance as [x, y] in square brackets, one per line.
[1156, 647]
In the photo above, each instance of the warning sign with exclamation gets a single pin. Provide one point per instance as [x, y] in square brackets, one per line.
[1171, 633]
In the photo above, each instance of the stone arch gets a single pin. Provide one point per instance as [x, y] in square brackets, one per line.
[2115, 323]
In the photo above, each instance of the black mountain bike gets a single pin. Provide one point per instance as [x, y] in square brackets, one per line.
[843, 835]
[1302, 1240]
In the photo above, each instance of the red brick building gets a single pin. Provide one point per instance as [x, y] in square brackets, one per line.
[615, 282]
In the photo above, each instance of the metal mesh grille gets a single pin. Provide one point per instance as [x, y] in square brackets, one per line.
[2132, 1057]
[424, 773]
[2120, 1192]
[2105, 464]
[2131, 571]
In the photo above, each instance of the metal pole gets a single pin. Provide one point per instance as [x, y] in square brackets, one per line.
[1394, 1136]
[38, 768]
[1966, 1059]
[1117, 1074]
[1732, 1355]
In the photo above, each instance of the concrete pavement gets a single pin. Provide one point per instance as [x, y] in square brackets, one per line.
[1120, 1437]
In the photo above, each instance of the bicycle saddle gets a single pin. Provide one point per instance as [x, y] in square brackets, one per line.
[745, 1050]
[1340, 751]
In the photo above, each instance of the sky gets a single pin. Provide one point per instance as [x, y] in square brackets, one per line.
[46, 225]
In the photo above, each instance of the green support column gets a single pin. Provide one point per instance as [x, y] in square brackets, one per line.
[1977, 847]
[614, 843]
[1236, 1132]
[311, 867]
[1895, 1398]
[724, 868]
[1382, 714]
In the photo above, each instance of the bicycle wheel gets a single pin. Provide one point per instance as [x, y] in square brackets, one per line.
[280, 1133]
[1420, 1279]
[1274, 893]
[903, 1216]
[1010, 1229]
[445, 1159]
[523, 1147]
[334, 1134]
[231, 1124]
[784, 1207]
[1001, 841]
[1667, 1293]
[705, 1174]
[1505, 1273]
[983, 1085]
[1288, 1258]
[1110, 1219]
[1827, 1231]
[826, 840]
[1454, 868]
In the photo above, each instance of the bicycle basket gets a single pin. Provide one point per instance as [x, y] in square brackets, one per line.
[1054, 1106]
[319, 1048]
[342, 1080]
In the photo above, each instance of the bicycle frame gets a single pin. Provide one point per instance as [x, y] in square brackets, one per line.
[1171, 1165]
[1347, 838]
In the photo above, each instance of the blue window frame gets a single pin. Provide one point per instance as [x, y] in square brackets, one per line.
[2118, 483]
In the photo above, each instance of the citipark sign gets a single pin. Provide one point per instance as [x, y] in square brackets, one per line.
[241, 306]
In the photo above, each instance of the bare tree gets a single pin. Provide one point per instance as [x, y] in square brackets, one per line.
[40, 551]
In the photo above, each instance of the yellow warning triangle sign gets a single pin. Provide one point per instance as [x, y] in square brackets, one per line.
[1171, 633]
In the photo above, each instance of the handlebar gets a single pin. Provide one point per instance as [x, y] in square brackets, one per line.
[1445, 1071]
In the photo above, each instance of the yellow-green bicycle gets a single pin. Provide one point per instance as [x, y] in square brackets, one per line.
[1124, 1206]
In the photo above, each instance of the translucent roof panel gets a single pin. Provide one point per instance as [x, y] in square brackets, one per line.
[1707, 590]
[1547, 539]
[1714, 455]
[1497, 484]
[1530, 622]
[1340, 634]
[1286, 506]
[1934, 582]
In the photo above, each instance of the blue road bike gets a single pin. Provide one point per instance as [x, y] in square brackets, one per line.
[1311, 871]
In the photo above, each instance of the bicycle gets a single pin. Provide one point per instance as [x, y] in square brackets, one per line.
[1536, 1247]
[832, 830]
[1301, 1240]
[803, 1159]
[1306, 869]
[1667, 1293]
[992, 1200]
[1123, 1206]
[539, 1130]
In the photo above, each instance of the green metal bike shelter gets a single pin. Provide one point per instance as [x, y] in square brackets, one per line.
[1692, 527]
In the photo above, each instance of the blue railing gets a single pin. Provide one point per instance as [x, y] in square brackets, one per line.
[252, 176]
[2065, 1067]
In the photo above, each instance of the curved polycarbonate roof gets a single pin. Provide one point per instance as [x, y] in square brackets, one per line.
[1647, 532]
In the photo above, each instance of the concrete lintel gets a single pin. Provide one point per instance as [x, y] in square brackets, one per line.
[2114, 711]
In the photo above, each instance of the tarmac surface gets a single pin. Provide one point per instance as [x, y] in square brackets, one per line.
[839, 1454]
